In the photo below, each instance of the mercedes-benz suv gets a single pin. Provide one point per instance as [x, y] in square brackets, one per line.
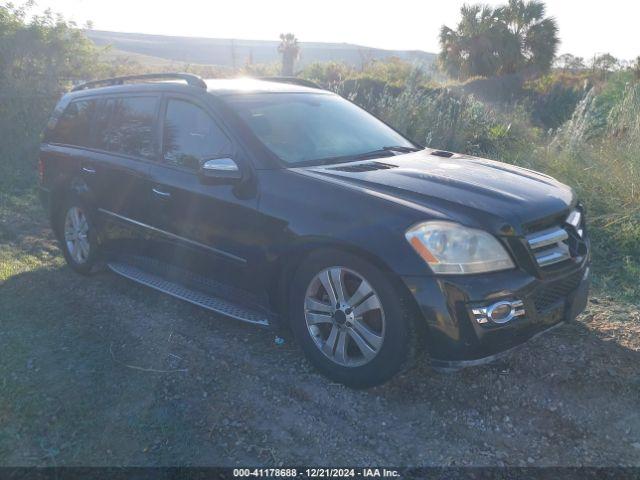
[281, 204]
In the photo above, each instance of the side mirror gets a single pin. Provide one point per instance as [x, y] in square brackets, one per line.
[224, 170]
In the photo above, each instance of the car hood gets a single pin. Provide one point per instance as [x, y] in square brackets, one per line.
[467, 189]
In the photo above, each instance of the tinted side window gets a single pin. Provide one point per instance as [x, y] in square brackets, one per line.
[103, 115]
[191, 135]
[125, 125]
[74, 125]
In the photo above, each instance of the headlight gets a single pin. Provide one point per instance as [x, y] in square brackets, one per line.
[451, 248]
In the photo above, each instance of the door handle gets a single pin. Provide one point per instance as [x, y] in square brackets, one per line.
[160, 193]
[89, 170]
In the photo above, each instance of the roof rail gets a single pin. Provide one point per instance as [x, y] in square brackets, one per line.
[191, 79]
[292, 80]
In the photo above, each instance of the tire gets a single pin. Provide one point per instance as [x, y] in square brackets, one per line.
[345, 361]
[83, 260]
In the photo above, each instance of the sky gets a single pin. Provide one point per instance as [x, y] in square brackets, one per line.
[586, 27]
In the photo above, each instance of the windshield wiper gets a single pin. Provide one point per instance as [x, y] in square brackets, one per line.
[401, 149]
[351, 158]
[381, 152]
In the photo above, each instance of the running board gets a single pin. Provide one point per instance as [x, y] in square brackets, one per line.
[196, 297]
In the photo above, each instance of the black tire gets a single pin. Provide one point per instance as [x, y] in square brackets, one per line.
[90, 264]
[399, 347]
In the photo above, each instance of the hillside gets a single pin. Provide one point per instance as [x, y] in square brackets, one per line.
[230, 52]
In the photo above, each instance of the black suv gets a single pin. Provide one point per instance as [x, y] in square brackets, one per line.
[278, 203]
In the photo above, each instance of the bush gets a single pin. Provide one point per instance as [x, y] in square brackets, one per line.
[394, 72]
[597, 152]
[553, 107]
[40, 57]
[442, 119]
[623, 121]
[327, 74]
[606, 177]
[504, 89]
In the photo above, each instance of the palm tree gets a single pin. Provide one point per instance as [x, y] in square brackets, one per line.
[289, 49]
[508, 39]
[530, 39]
[471, 49]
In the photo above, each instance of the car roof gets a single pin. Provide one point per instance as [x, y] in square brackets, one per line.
[234, 86]
[217, 87]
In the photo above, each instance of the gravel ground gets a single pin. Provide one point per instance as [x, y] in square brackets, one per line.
[101, 371]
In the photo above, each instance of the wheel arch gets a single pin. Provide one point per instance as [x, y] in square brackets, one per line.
[64, 188]
[288, 263]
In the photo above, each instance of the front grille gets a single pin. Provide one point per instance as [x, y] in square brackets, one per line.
[549, 247]
[548, 295]
[558, 243]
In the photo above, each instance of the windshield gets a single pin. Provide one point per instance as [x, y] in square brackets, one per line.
[315, 128]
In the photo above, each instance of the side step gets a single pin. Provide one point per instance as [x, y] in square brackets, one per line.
[191, 295]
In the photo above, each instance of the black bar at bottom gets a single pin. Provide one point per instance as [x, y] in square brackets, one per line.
[435, 473]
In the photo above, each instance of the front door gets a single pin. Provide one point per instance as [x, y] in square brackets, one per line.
[205, 227]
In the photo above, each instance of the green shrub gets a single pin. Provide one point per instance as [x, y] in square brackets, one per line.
[394, 72]
[623, 121]
[40, 56]
[328, 74]
[606, 177]
[443, 119]
[552, 108]
[598, 153]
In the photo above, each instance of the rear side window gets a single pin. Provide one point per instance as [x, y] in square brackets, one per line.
[125, 125]
[191, 135]
[74, 125]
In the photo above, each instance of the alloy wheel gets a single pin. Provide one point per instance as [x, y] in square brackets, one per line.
[76, 235]
[344, 316]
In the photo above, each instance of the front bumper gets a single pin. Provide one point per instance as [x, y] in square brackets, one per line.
[455, 337]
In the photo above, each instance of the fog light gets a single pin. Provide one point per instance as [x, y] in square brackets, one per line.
[499, 312]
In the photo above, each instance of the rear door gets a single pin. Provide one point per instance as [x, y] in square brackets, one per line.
[66, 149]
[211, 227]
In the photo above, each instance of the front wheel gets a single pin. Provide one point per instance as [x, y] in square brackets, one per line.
[352, 322]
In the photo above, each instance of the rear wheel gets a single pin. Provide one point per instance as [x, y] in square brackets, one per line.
[77, 235]
[350, 319]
